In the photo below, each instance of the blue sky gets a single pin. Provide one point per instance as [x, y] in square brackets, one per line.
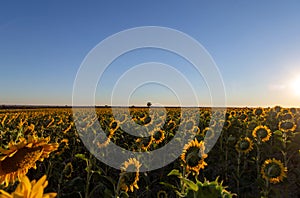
[255, 44]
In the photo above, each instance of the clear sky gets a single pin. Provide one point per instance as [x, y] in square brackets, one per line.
[255, 44]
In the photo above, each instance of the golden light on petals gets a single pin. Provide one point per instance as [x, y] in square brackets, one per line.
[27, 189]
[263, 133]
[193, 156]
[244, 145]
[22, 156]
[130, 175]
[273, 171]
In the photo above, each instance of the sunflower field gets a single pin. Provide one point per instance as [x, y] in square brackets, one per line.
[256, 153]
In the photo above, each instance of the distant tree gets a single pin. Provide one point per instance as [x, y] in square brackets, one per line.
[149, 104]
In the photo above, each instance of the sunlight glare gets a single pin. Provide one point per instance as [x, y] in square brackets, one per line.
[295, 85]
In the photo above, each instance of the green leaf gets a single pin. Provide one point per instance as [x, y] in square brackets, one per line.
[190, 184]
[174, 172]
[278, 132]
[169, 185]
[81, 156]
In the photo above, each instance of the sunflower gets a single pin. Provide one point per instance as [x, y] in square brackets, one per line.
[244, 145]
[287, 125]
[263, 133]
[67, 129]
[196, 130]
[114, 125]
[273, 170]
[258, 111]
[130, 175]
[122, 118]
[189, 124]
[193, 156]
[162, 194]
[171, 125]
[285, 116]
[209, 133]
[29, 129]
[29, 189]
[159, 136]
[21, 156]
[145, 142]
[68, 170]
[227, 124]
[102, 140]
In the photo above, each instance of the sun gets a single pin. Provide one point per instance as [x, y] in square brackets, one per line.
[295, 86]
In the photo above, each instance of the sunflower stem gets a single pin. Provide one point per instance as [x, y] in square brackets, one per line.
[117, 192]
[182, 183]
[89, 173]
[266, 191]
[258, 158]
[238, 173]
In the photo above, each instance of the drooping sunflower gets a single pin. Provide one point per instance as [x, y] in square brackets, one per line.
[287, 126]
[244, 145]
[273, 170]
[20, 157]
[262, 133]
[130, 175]
[193, 156]
[159, 136]
[27, 189]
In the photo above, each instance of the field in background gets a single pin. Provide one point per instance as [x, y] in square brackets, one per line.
[257, 153]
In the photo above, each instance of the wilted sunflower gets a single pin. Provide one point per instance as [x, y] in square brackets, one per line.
[130, 175]
[27, 189]
[287, 126]
[262, 133]
[193, 156]
[244, 145]
[21, 156]
[159, 136]
[273, 170]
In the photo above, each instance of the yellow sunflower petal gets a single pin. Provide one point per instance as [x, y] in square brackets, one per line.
[4, 194]
[50, 195]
